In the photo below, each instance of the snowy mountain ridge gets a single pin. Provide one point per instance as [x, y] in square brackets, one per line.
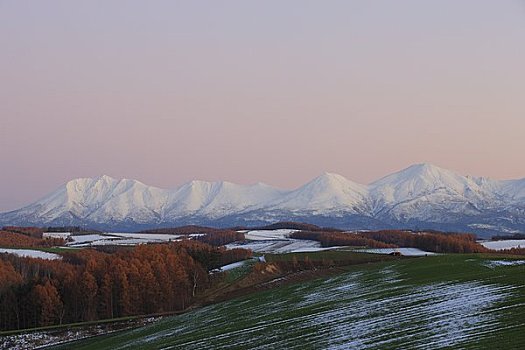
[421, 195]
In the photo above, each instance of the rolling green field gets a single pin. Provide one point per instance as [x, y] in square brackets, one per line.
[439, 302]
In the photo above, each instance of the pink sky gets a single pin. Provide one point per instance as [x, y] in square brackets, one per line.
[272, 91]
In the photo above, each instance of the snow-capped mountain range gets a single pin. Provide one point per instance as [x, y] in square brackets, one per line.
[420, 196]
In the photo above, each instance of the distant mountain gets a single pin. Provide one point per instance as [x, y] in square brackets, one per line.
[424, 192]
[420, 196]
[325, 194]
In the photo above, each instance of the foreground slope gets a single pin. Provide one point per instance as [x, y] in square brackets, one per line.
[449, 301]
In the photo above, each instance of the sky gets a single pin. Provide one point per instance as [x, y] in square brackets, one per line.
[246, 91]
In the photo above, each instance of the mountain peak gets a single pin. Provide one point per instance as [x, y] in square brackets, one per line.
[326, 192]
[424, 168]
[422, 172]
[333, 182]
[331, 175]
[427, 185]
[104, 178]
[91, 180]
[327, 176]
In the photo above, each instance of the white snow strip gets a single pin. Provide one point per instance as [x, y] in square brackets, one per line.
[316, 249]
[117, 238]
[265, 235]
[497, 263]
[403, 251]
[147, 236]
[63, 235]
[281, 246]
[28, 253]
[505, 244]
[87, 238]
[233, 265]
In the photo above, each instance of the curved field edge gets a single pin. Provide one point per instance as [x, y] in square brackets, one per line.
[449, 301]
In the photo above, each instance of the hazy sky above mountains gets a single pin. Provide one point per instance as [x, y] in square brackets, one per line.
[247, 91]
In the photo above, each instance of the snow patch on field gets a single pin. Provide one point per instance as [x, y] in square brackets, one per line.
[147, 236]
[497, 263]
[233, 265]
[505, 244]
[63, 235]
[80, 239]
[278, 242]
[118, 238]
[403, 251]
[315, 249]
[265, 235]
[281, 246]
[28, 253]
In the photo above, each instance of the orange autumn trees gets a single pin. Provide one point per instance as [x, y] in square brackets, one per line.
[329, 239]
[35, 232]
[16, 239]
[10, 279]
[438, 242]
[48, 307]
[89, 285]
[219, 238]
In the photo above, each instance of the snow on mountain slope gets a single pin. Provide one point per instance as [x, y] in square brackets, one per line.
[424, 179]
[326, 193]
[423, 191]
[98, 199]
[215, 199]
[131, 199]
[514, 189]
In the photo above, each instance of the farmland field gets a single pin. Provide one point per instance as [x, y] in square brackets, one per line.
[446, 301]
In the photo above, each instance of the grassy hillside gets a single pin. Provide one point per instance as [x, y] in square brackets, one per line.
[448, 301]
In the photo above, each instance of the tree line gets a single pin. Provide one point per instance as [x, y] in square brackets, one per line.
[438, 242]
[10, 239]
[35, 232]
[331, 239]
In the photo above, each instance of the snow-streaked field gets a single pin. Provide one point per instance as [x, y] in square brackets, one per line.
[277, 241]
[148, 236]
[404, 305]
[117, 238]
[29, 253]
[278, 246]
[266, 235]
[403, 251]
[81, 239]
[505, 244]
